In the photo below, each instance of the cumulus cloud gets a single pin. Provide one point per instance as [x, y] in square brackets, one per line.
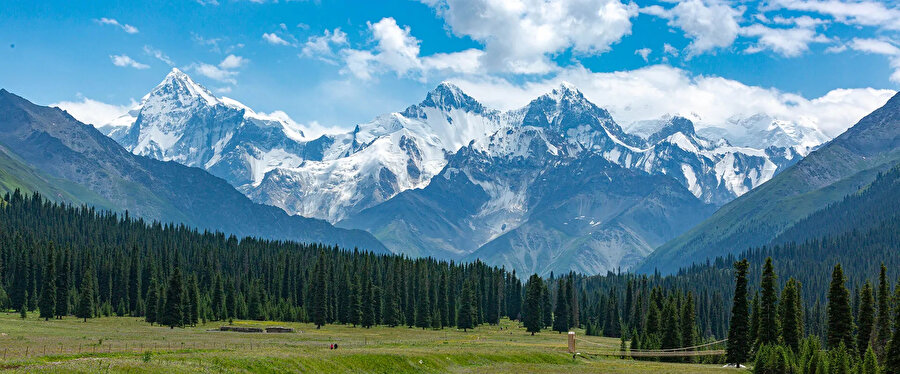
[851, 12]
[124, 26]
[223, 72]
[644, 53]
[323, 46]
[790, 42]
[397, 50]
[274, 39]
[518, 36]
[710, 24]
[879, 47]
[658, 90]
[125, 61]
[97, 113]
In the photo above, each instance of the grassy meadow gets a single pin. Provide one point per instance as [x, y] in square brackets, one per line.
[125, 344]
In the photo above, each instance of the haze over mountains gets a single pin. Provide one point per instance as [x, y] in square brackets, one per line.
[554, 186]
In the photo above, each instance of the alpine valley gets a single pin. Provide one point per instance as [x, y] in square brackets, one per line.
[554, 186]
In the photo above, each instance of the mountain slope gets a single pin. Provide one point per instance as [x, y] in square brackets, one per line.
[838, 168]
[50, 140]
[15, 174]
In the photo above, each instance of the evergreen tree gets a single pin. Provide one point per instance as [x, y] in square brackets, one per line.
[367, 310]
[465, 318]
[423, 305]
[355, 309]
[671, 331]
[86, 297]
[134, 281]
[23, 312]
[883, 320]
[840, 318]
[173, 309]
[791, 315]
[320, 291]
[892, 355]
[62, 287]
[48, 291]
[755, 313]
[218, 299]
[444, 300]
[688, 320]
[561, 314]
[768, 319]
[869, 364]
[194, 301]
[612, 327]
[866, 318]
[738, 348]
[532, 313]
[150, 315]
[546, 306]
[391, 312]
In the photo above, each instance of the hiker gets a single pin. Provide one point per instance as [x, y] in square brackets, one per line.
[335, 345]
[331, 346]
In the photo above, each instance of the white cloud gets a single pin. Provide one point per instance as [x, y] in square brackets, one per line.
[790, 42]
[274, 39]
[224, 72]
[710, 24]
[232, 62]
[852, 12]
[518, 36]
[397, 50]
[657, 90]
[159, 55]
[125, 61]
[670, 50]
[322, 46]
[644, 53]
[96, 113]
[124, 26]
[879, 47]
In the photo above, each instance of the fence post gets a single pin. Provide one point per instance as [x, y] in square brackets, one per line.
[571, 341]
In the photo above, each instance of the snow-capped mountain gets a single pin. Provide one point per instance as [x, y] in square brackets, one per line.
[762, 131]
[181, 121]
[562, 187]
[555, 185]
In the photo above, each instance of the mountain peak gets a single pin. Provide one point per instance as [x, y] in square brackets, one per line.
[179, 86]
[446, 96]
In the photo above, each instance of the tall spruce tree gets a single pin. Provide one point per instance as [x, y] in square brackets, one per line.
[194, 301]
[423, 304]
[85, 308]
[561, 313]
[320, 292]
[791, 315]
[866, 318]
[738, 349]
[150, 315]
[688, 321]
[672, 327]
[62, 286]
[48, 290]
[465, 319]
[883, 320]
[173, 309]
[840, 316]
[443, 300]
[768, 319]
[532, 314]
[892, 354]
[546, 306]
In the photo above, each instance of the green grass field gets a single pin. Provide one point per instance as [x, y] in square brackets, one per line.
[124, 344]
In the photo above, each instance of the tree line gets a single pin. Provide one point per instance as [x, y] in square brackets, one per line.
[63, 260]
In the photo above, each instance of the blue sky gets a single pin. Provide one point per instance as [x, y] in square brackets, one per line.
[337, 63]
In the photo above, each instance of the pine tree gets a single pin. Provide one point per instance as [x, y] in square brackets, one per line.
[869, 364]
[23, 310]
[320, 292]
[355, 309]
[532, 314]
[423, 305]
[892, 355]
[391, 302]
[62, 287]
[612, 326]
[444, 299]
[48, 291]
[86, 297]
[755, 313]
[464, 318]
[672, 330]
[546, 306]
[194, 301]
[561, 314]
[134, 281]
[218, 299]
[173, 308]
[688, 320]
[768, 318]
[883, 320]
[840, 318]
[866, 318]
[150, 315]
[791, 315]
[738, 349]
[367, 312]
